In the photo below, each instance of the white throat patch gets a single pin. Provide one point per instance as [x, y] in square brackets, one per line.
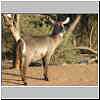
[61, 34]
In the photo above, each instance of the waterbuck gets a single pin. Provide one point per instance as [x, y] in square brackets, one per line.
[36, 48]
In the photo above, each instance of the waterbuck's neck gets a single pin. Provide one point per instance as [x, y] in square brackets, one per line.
[59, 35]
[57, 39]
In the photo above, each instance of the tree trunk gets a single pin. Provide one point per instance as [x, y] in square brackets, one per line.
[13, 25]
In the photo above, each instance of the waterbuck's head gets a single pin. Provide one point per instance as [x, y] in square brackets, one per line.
[59, 27]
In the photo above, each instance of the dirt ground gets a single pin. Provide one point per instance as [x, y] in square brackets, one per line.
[65, 75]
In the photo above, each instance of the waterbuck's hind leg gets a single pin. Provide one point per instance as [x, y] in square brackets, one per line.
[45, 68]
[22, 61]
[14, 56]
[17, 63]
[23, 70]
[18, 54]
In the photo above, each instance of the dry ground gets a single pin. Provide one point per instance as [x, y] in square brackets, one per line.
[70, 74]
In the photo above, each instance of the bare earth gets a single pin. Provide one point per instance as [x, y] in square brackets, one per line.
[66, 75]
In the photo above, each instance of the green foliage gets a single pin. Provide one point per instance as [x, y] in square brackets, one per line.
[33, 25]
[66, 53]
[8, 45]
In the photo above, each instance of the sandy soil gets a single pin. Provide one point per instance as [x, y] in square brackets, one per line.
[66, 75]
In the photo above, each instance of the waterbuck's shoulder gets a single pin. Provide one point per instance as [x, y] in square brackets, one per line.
[42, 41]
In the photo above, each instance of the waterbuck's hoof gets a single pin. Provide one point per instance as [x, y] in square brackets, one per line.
[25, 84]
[46, 78]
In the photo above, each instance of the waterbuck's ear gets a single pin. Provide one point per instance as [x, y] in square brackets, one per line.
[66, 21]
[50, 19]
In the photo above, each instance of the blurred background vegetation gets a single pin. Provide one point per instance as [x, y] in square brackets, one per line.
[31, 24]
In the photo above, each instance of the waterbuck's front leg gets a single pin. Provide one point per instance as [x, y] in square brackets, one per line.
[46, 60]
[45, 68]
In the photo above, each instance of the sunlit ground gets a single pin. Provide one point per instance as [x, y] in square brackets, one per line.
[63, 75]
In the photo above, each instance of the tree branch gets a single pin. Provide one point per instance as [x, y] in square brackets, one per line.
[74, 24]
[91, 37]
[87, 48]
